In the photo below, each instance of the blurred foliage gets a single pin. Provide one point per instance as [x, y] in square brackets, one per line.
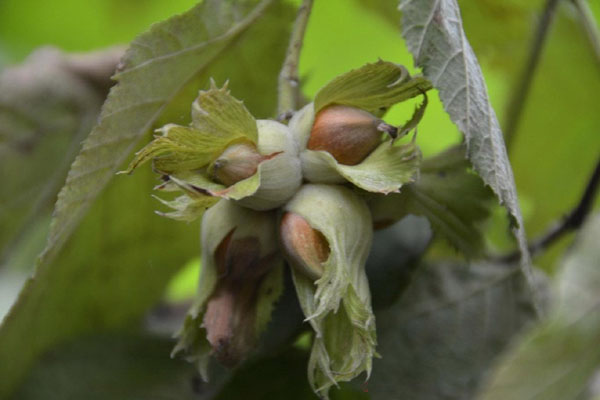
[36, 133]
[184, 284]
[77, 26]
[439, 339]
[95, 280]
[457, 219]
[121, 257]
[125, 367]
[558, 143]
[560, 355]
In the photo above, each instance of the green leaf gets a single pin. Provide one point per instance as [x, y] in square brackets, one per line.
[557, 358]
[434, 34]
[215, 112]
[122, 255]
[179, 148]
[454, 199]
[106, 277]
[439, 339]
[110, 367]
[373, 87]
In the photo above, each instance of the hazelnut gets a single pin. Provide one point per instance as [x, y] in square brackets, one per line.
[306, 248]
[349, 134]
[236, 163]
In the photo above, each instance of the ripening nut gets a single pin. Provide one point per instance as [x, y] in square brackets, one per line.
[230, 313]
[349, 134]
[305, 247]
[240, 279]
[236, 163]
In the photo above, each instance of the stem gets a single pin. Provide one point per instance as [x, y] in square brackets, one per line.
[289, 82]
[589, 25]
[573, 221]
[517, 101]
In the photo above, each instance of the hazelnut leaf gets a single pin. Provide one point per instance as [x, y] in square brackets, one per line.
[434, 34]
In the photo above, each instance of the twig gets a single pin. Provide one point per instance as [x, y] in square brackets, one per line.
[289, 83]
[576, 217]
[96, 67]
[589, 25]
[517, 101]
[573, 221]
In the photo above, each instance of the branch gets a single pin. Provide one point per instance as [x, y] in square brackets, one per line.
[573, 221]
[96, 67]
[517, 101]
[589, 25]
[289, 83]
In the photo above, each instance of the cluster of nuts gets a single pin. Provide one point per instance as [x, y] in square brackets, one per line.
[269, 192]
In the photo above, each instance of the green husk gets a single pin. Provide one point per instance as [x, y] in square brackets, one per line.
[337, 305]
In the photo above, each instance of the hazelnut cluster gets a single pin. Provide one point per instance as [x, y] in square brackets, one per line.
[269, 192]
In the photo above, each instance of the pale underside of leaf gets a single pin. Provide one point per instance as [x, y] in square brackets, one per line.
[434, 34]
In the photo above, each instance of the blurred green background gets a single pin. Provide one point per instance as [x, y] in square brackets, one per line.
[556, 145]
